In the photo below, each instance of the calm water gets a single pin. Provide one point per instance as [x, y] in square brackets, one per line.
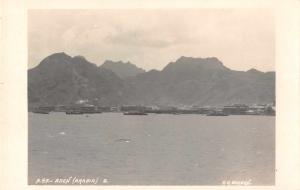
[152, 150]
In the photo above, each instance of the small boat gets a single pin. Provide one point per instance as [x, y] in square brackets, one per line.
[74, 112]
[135, 113]
[41, 112]
[92, 112]
[217, 114]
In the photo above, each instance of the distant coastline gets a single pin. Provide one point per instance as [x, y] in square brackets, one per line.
[235, 109]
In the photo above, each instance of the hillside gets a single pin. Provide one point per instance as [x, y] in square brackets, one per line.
[62, 79]
[122, 69]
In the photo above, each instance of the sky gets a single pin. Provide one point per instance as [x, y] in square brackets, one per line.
[151, 38]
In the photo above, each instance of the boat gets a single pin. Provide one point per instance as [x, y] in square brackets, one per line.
[217, 114]
[91, 112]
[135, 113]
[74, 112]
[41, 112]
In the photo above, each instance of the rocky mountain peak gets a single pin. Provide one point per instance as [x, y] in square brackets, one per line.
[122, 69]
[192, 64]
[254, 71]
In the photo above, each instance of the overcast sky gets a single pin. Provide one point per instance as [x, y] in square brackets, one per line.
[242, 39]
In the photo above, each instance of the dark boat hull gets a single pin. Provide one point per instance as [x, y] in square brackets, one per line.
[135, 113]
[217, 114]
[41, 112]
[74, 113]
[92, 112]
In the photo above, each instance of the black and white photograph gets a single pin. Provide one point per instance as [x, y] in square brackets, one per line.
[151, 97]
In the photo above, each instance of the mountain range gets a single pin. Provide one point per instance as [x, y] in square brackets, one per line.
[61, 80]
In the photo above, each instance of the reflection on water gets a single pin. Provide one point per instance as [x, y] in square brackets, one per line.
[153, 150]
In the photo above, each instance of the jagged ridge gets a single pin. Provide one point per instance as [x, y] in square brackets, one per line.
[62, 79]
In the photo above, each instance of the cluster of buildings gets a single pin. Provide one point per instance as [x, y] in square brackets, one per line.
[234, 109]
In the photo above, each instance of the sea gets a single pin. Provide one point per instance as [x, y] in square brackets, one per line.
[156, 149]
